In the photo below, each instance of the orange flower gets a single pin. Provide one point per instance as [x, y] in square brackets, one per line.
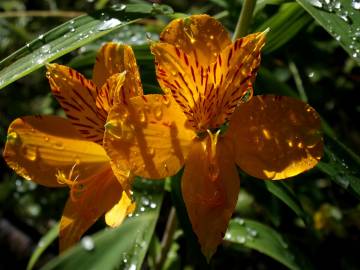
[207, 82]
[54, 151]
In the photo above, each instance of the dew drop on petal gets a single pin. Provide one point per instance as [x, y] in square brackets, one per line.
[158, 112]
[13, 138]
[30, 152]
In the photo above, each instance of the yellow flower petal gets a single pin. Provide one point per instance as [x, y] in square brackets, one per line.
[210, 186]
[77, 96]
[179, 76]
[200, 36]
[231, 77]
[208, 95]
[39, 148]
[276, 137]
[116, 215]
[148, 135]
[115, 58]
[100, 194]
[106, 98]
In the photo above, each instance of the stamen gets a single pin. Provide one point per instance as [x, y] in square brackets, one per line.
[76, 186]
[187, 30]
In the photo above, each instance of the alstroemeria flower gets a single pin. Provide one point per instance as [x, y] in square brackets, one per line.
[55, 152]
[207, 81]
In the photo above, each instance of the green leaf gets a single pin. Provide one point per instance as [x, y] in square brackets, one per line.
[284, 25]
[285, 194]
[264, 239]
[70, 36]
[122, 248]
[43, 244]
[340, 19]
[341, 168]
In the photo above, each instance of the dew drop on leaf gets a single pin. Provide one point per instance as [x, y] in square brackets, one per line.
[355, 4]
[87, 243]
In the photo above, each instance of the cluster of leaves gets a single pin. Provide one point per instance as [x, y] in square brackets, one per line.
[312, 221]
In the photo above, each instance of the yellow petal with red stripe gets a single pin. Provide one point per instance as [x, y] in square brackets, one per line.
[210, 187]
[39, 148]
[149, 135]
[231, 78]
[116, 58]
[111, 92]
[77, 96]
[179, 76]
[100, 194]
[276, 137]
[200, 36]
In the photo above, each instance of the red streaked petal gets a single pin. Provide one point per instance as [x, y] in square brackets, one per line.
[232, 76]
[116, 58]
[77, 96]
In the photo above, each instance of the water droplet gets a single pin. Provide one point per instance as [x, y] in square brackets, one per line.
[132, 267]
[338, 38]
[45, 48]
[142, 209]
[87, 243]
[41, 37]
[355, 4]
[118, 7]
[316, 3]
[214, 171]
[240, 221]
[145, 201]
[13, 138]
[41, 243]
[228, 236]
[344, 15]
[166, 100]
[153, 205]
[30, 152]
[158, 112]
[108, 24]
[59, 145]
[142, 116]
[151, 151]
[240, 239]
[251, 232]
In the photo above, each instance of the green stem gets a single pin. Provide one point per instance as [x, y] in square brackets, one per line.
[244, 20]
[167, 239]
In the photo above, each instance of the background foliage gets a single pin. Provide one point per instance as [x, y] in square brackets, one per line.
[309, 222]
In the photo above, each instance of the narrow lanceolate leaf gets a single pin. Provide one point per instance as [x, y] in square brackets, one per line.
[341, 19]
[121, 248]
[284, 25]
[43, 244]
[340, 167]
[285, 194]
[70, 36]
[264, 239]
